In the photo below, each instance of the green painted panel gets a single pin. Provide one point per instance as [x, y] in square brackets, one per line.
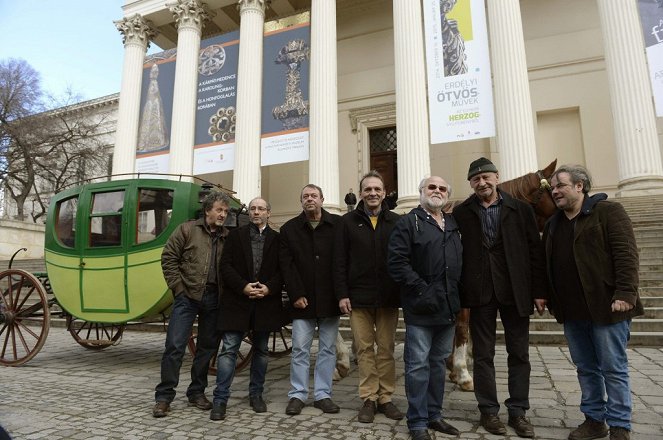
[103, 291]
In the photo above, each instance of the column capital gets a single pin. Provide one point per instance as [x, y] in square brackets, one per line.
[190, 13]
[252, 6]
[136, 30]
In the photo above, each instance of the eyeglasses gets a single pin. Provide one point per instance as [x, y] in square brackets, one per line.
[433, 187]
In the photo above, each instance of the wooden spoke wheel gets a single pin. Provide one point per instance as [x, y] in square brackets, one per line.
[244, 354]
[94, 335]
[24, 317]
[280, 342]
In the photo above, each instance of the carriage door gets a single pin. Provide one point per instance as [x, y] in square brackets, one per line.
[103, 259]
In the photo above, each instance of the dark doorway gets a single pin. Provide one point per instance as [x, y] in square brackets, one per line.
[383, 156]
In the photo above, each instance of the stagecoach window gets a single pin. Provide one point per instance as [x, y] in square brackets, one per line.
[65, 224]
[154, 208]
[106, 219]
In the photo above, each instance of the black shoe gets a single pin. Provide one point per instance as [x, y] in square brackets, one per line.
[390, 411]
[420, 434]
[492, 424]
[258, 404]
[161, 409]
[589, 429]
[522, 426]
[294, 407]
[327, 406]
[443, 427]
[367, 412]
[218, 412]
[200, 402]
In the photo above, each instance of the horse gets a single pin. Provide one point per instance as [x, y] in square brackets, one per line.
[533, 188]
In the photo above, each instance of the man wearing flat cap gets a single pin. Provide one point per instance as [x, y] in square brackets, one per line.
[503, 270]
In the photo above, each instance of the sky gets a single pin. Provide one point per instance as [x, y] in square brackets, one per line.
[69, 42]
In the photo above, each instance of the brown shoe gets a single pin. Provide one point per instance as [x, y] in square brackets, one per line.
[367, 412]
[619, 433]
[200, 402]
[588, 430]
[492, 424]
[161, 409]
[522, 426]
[327, 406]
[390, 411]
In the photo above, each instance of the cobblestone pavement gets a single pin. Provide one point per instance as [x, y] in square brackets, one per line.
[69, 392]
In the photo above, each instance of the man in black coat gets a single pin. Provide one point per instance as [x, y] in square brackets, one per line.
[251, 301]
[503, 269]
[307, 247]
[367, 293]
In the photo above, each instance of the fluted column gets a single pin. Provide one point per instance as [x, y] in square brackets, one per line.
[514, 120]
[247, 177]
[638, 152]
[136, 33]
[190, 16]
[411, 108]
[323, 134]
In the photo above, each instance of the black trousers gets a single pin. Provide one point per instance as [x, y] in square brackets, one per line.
[516, 331]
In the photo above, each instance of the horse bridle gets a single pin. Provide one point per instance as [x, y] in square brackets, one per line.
[544, 188]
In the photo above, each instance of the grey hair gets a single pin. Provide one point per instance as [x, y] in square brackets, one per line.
[215, 196]
[422, 184]
[311, 185]
[577, 173]
[372, 173]
[269, 206]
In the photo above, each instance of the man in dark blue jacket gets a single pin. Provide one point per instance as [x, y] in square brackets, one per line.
[425, 258]
[367, 293]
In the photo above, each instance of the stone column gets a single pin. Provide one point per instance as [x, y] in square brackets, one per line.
[190, 16]
[323, 135]
[411, 105]
[638, 151]
[136, 33]
[247, 177]
[514, 121]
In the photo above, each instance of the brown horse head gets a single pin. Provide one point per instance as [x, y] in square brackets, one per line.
[535, 189]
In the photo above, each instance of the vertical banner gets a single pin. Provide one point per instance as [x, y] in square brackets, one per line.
[460, 97]
[285, 106]
[214, 144]
[156, 108]
[651, 17]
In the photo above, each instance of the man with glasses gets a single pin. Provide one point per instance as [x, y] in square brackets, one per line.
[503, 270]
[425, 257]
[593, 267]
[251, 302]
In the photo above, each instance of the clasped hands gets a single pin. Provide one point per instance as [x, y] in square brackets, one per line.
[256, 290]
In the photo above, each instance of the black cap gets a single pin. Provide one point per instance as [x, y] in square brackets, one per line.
[481, 165]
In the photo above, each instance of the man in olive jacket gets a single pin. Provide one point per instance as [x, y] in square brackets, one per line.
[593, 267]
[190, 263]
[503, 269]
[368, 294]
[307, 248]
[251, 301]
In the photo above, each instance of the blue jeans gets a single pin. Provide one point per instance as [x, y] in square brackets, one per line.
[225, 367]
[180, 325]
[599, 352]
[302, 338]
[426, 350]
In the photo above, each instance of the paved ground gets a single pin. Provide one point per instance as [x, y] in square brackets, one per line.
[68, 392]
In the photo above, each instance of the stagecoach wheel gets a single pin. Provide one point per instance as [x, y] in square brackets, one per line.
[94, 335]
[280, 342]
[24, 317]
[243, 356]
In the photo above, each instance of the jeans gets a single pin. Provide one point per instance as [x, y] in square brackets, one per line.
[302, 338]
[599, 353]
[225, 369]
[425, 353]
[180, 325]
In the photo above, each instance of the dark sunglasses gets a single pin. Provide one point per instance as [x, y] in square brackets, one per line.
[432, 187]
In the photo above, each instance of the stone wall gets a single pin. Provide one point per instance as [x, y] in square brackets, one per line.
[16, 234]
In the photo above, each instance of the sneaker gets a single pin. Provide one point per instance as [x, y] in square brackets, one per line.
[492, 424]
[327, 406]
[522, 426]
[619, 433]
[588, 430]
[200, 402]
[294, 407]
[161, 409]
[390, 411]
[258, 404]
[218, 412]
[367, 412]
